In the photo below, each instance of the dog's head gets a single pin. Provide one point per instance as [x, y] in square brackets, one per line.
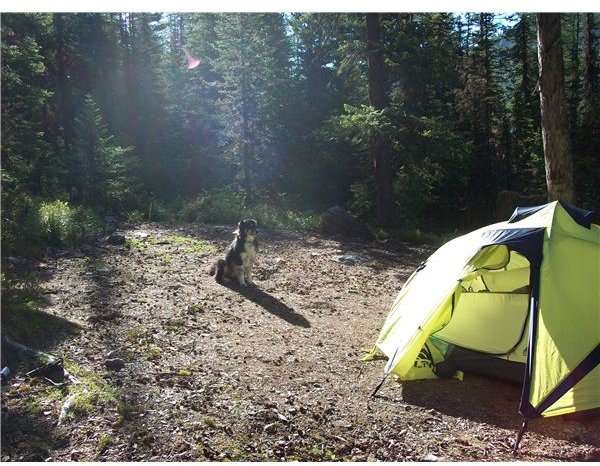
[247, 229]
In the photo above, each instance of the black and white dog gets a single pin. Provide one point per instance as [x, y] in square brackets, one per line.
[239, 255]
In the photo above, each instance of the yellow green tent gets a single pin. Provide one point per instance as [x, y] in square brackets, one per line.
[517, 299]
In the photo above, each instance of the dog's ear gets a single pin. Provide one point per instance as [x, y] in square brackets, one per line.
[239, 228]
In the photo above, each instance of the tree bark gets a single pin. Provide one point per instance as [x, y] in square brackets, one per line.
[554, 110]
[245, 124]
[377, 149]
[590, 71]
[63, 82]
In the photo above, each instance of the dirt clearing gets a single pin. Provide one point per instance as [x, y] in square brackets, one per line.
[270, 373]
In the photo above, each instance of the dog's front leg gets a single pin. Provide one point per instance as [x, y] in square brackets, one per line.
[240, 276]
[248, 273]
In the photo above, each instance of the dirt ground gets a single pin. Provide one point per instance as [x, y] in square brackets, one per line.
[271, 373]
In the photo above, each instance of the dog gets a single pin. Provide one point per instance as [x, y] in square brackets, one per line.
[239, 256]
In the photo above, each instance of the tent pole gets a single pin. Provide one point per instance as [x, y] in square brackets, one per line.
[520, 435]
[379, 385]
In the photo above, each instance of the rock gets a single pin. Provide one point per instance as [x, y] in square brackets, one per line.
[349, 259]
[430, 457]
[115, 364]
[270, 428]
[68, 406]
[116, 239]
[337, 221]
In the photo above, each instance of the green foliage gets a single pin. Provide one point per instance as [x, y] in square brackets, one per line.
[364, 120]
[20, 225]
[432, 183]
[96, 391]
[64, 225]
[93, 391]
[136, 216]
[99, 111]
[105, 441]
[136, 243]
[191, 245]
[274, 217]
[103, 176]
[30, 226]
[362, 203]
[227, 206]
[57, 223]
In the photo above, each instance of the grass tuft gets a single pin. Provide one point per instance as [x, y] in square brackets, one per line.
[192, 245]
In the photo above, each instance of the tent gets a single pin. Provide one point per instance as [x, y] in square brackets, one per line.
[518, 299]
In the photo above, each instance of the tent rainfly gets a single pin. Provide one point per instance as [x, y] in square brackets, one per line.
[518, 299]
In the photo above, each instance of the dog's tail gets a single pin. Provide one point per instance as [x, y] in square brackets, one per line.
[218, 269]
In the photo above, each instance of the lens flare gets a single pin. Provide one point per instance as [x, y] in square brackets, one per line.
[193, 62]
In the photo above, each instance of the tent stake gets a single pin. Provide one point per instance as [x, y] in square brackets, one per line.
[378, 386]
[520, 435]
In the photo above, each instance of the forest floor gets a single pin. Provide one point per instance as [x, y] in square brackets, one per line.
[271, 373]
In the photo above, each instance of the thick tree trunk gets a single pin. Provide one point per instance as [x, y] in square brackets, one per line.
[554, 110]
[377, 149]
[590, 71]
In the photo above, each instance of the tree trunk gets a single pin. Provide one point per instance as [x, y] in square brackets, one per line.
[246, 157]
[573, 87]
[590, 71]
[485, 44]
[377, 149]
[554, 110]
[63, 82]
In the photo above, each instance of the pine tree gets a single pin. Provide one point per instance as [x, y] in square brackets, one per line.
[101, 174]
[318, 91]
[252, 75]
[28, 168]
[377, 144]
[26, 159]
[587, 140]
[478, 104]
[145, 103]
[525, 115]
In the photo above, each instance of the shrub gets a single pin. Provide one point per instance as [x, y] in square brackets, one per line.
[29, 227]
[20, 225]
[136, 216]
[227, 206]
[58, 223]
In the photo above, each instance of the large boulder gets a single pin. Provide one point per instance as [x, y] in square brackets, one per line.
[338, 221]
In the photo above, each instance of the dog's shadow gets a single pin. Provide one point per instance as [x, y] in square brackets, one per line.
[273, 305]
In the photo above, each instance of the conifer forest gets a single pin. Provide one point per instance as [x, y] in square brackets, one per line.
[283, 115]
[132, 144]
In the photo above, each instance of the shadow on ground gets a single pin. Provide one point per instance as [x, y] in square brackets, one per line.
[496, 402]
[29, 437]
[272, 305]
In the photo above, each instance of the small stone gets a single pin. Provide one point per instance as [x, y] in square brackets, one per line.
[430, 457]
[270, 428]
[115, 364]
[116, 239]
